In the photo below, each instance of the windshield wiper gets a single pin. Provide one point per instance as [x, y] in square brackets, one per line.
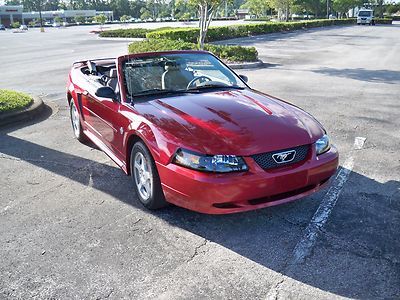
[157, 92]
[214, 86]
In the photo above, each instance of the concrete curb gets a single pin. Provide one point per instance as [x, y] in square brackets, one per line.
[247, 65]
[27, 113]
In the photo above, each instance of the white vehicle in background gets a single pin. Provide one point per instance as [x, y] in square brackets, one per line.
[23, 27]
[365, 16]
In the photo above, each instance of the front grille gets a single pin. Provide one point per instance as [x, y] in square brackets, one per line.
[266, 160]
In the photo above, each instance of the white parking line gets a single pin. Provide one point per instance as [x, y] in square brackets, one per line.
[359, 142]
[305, 245]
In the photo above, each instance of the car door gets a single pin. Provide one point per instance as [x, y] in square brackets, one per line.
[106, 122]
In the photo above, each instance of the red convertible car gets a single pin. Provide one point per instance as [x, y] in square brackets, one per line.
[191, 132]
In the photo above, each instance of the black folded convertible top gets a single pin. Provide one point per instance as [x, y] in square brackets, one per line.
[94, 59]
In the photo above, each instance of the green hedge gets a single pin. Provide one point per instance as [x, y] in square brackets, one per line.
[383, 21]
[130, 32]
[263, 19]
[227, 53]
[12, 100]
[159, 45]
[229, 32]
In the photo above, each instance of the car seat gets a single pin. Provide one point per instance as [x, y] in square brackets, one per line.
[175, 77]
[113, 81]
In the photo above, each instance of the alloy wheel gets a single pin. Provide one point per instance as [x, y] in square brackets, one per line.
[143, 176]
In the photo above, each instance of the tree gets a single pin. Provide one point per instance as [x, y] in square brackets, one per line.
[15, 24]
[258, 8]
[316, 7]
[392, 8]
[207, 9]
[119, 7]
[283, 7]
[184, 10]
[79, 19]
[343, 6]
[135, 8]
[125, 18]
[32, 23]
[379, 8]
[100, 19]
[57, 19]
[145, 14]
[185, 17]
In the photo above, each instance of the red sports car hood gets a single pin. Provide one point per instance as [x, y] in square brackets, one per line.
[240, 122]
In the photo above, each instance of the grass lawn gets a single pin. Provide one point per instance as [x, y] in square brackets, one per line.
[11, 100]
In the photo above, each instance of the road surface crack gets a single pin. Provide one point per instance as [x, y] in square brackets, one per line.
[273, 293]
[197, 250]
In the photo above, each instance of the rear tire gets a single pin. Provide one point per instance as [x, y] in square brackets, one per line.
[76, 123]
[146, 180]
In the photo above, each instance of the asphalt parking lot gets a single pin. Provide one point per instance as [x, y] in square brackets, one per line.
[71, 227]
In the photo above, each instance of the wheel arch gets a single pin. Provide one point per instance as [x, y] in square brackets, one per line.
[69, 97]
[145, 135]
[132, 139]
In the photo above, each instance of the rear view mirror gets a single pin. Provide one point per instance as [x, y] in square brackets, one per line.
[244, 78]
[105, 92]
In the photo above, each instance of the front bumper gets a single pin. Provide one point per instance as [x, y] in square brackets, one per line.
[236, 192]
[366, 21]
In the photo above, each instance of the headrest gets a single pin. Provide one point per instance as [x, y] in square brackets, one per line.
[113, 73]
[171, 65]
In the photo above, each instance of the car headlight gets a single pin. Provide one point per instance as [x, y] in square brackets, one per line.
[209, 163]
[322, 145]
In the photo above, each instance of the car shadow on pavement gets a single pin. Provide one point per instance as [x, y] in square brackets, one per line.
[376, 76]
[359, 238]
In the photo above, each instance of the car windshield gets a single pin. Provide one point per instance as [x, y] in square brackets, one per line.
[176, 73]
[364, 13]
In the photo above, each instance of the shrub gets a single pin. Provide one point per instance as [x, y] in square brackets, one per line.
[159, 45]
[383, 21]
[15, 24]
[262, 19]
[227, 53]
[79, 19]
[233, 53]
[11, 100]
[129, 32]
[229, 32]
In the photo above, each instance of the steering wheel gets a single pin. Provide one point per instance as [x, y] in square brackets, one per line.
[201, 78]
[104, 78]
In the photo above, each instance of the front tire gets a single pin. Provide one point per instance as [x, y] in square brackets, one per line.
[146, 180]
[76, 123]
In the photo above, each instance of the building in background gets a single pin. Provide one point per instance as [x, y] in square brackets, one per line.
[242, 13]
[10, 14]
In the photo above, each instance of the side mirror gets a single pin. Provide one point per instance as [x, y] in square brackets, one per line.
[106, 92]
[244, 78]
